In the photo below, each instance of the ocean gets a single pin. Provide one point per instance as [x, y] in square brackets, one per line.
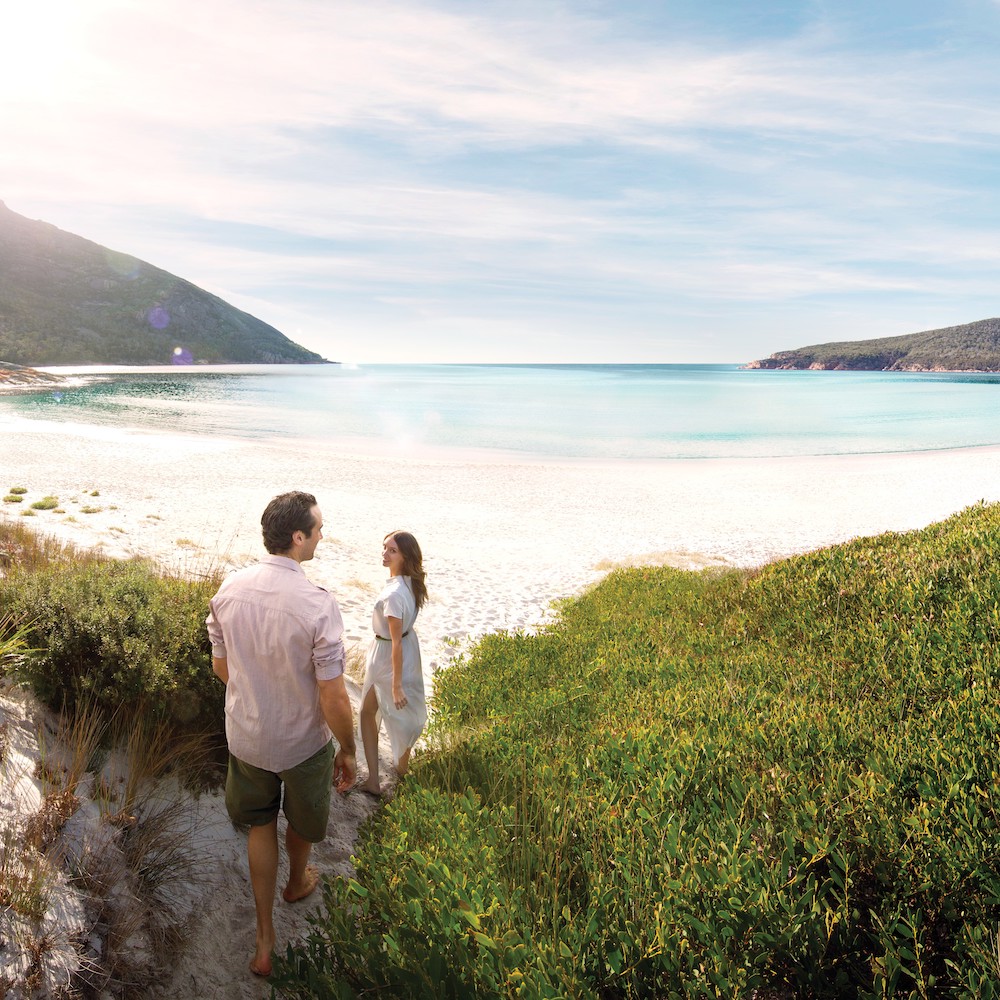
[537, 411]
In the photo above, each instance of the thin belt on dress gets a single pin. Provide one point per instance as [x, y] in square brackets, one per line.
[384, 639]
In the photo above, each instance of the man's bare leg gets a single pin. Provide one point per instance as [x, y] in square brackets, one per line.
[369, 737]
[302, 876]
[262, 853]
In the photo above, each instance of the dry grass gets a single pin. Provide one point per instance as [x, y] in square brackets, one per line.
[132, 866]
[355, 657]
[25, 876]
[41, 831]
[23, 549]
[146, 856]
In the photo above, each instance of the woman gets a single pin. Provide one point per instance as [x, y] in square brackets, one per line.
[393, 689]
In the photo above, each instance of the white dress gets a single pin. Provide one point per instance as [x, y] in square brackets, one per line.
[405, 724]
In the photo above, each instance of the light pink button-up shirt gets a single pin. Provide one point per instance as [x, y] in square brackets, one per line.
[280, 633]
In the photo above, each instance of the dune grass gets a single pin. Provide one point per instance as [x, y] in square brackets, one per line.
[118, 652]
[778, 783]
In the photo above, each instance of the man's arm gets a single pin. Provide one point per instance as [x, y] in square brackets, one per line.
[221, 667]
[336, 706]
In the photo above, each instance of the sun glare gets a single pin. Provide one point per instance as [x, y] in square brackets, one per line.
[38, 46]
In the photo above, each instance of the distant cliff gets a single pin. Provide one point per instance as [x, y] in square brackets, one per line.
[972, 347]
[67, 301]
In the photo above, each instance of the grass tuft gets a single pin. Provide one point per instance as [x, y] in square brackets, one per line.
[26, 876]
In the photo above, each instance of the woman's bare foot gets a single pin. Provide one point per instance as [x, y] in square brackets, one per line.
[369, 787]
[404, 762]
[294, 892]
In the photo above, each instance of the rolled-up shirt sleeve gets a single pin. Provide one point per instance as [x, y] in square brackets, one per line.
[215, 636]
[328, 648]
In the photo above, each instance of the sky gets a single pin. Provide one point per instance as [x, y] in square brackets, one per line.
[656, 181]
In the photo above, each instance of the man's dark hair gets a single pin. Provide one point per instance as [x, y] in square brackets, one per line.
[283, 516]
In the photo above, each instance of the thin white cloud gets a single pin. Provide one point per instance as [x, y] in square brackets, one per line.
[420, 152]
[262, 72]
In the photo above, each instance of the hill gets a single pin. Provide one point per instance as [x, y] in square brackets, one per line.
[66, 300]
[971, 347]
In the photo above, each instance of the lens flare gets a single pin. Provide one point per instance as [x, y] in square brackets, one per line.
[158, 318]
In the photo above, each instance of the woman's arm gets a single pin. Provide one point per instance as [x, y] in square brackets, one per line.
[396, 634]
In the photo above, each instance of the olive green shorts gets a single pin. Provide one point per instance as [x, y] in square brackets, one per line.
[254, 796]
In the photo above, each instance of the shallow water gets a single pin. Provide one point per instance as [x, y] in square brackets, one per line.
[545, 411]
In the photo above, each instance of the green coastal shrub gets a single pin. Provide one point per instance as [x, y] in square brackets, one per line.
[777, 784]
[46, 503]
[112, 633]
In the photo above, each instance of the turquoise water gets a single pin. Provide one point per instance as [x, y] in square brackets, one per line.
[577, 411]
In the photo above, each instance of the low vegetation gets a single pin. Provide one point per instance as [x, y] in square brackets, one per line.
[118, 652]
[107, 633]
[763, 784]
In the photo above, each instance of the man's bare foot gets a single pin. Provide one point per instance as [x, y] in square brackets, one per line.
[262, 969]
[260, 964]
[310, 879]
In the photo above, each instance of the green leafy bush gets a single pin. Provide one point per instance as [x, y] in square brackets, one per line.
[779, 783]
[118, 633]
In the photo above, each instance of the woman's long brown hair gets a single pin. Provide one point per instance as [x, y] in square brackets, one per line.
[413, 563]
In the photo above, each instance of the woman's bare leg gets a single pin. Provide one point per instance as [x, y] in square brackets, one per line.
[369, 737]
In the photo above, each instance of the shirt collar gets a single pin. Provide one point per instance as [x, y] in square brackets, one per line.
[284, 562]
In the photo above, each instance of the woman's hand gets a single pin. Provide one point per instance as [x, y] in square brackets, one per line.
[396, 634]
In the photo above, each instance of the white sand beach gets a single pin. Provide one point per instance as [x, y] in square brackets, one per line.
[502, 538]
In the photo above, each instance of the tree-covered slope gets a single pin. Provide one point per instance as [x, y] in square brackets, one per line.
[970, 347]
[66, 300]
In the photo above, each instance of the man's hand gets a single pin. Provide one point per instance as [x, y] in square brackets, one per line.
[220, 666]
[339, 715]
[345, 771]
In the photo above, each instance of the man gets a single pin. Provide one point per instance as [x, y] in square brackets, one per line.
[277, 645]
